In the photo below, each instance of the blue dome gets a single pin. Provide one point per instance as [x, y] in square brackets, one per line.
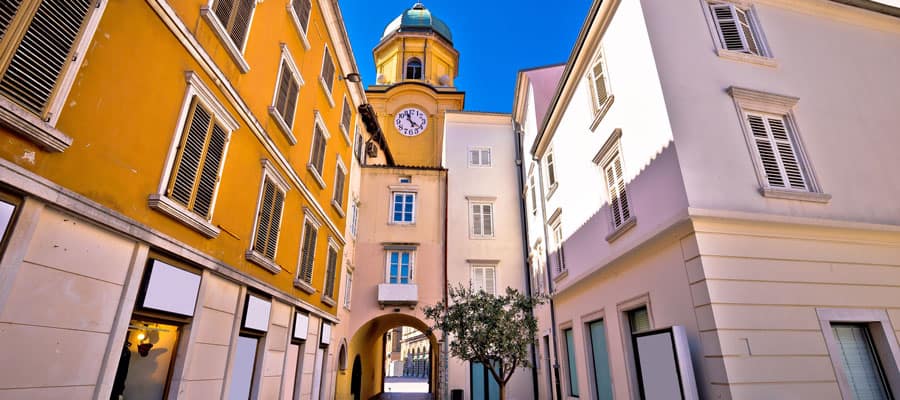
[418, 18]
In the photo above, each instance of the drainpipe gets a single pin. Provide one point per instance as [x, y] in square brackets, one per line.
[523, 222]
[445, 387]
[550, 285]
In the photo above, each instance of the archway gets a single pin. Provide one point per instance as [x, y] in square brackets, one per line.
[368, 348]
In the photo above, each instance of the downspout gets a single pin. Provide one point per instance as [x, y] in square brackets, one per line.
[523, 221]
[553, 332]
[445, 390]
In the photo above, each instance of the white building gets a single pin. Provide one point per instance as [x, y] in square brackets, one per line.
[721, 166]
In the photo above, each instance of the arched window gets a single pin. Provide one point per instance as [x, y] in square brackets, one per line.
[342, 357]
[414, 68]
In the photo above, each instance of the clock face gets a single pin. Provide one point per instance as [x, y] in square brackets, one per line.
[410, 121]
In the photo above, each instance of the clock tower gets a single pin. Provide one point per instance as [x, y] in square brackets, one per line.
[416, 66]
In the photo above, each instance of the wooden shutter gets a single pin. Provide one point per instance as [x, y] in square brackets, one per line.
[309, 251]
[599, 83]
[487, 219]
[269, 220]
[302, 8]
[486, 157]
[776, 152]
[339, 187]
[474, 157]
[477, 220]
[730, 35]
[8, 10]
[615, 185]
[477, 278]
[490, 280]
[275, 224]
[328, 70]
[286, 98]
[209, 174]
[747, 31]
[235, 16]
[200, 159]
[46, 47]
[330, 272]
[318, 156]
[345, 116]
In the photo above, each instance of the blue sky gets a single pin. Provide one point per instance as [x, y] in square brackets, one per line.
[495, 39]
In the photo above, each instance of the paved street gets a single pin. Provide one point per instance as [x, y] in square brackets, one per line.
[406, 385]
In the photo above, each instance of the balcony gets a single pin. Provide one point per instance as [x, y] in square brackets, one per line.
[393, 294]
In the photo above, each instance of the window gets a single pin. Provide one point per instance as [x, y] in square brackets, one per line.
[862, 346]
[348, 290]
[287, 89]
[317, 153]
[8, 208]
[781, 165]
[358, 146]
[235, 17]
[551, 173]
[400, 266]
[330, 271]
[327, 76]
[600, 360]
[307, 251]
[599, 84]
[253, 329]
[560, 253]
[403, 211]
[340, 175]
[533, 190]
[191, 183]
[482, 220]
[615, 187]
[571, 371]
[405, 179]
[268, 219]
[638, 320]
[484, 277]
[345, 117]
[300, 13]
[862, 367]
[414, 68]
[480, 157]
[735, 28]
[354, 218]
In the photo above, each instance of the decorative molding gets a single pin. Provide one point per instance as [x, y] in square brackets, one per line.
[32, 127]
[296, 20]
[220, 32]
[786, 194]
[327, 300]
[747, 58]
[404, 188]
[608, 145]
[481, 198]
[552, 189]
[304, 286]
[287, 56]
[315, 174]
[601, 112]
[554, 218]
[269, 170]
[209, 99]
[283, 126]
[625, 227]
[755, 100]
[400, 246]
[167, 206]
[482, 261]
[262, 261]
[337, 207]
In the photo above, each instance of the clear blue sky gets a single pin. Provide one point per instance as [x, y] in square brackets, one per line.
[495, 39]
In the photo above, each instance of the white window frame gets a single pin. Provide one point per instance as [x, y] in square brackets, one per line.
[268, 172]
[532, 187]
[480, 150]
[765, 56]
[412, 263]
[473, 265]
[354, 218]
[328, 92]
[883, 337]
[749, 101]
[299, 24]
[482, 201]
[308, 218]
[550, 166]
[608, 153]
[320, 123]
[162, 203]
[286, 128]
[42, 132]
[221, 32]
[555, 223]
[348, 287]
[345, 130]
[598, 107]
[403, 191]
[339, 207]
[358, 141]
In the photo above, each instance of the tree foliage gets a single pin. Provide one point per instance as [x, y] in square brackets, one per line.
[494, 330]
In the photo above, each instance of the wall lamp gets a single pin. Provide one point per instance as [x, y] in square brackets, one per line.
[351, 77]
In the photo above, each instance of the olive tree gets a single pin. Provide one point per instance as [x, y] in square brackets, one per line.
[494, 330]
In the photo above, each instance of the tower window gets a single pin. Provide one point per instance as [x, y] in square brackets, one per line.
[414, 68]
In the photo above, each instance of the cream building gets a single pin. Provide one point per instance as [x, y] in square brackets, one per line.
[720, 167]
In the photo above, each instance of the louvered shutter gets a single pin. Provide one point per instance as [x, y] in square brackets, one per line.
[318, 156]
[345, 116]
[485, 157]
[489, 280]
[275, 224]
[613, 195]
[730, 35]
[309, 249]
[786, 153]
[599, 83]
[487, 219]
[264, 218]
[477, 278]
[302, 8]
[330, 272]
[209, 174]
[776, 152]
[476, 220]
[8, 10]
[551, 173]
[749, 39]
[474, 157]
[861, 366]
[620, 183]
[191, 153]
[339, 187]
[235, 16]
[46, 47]
[286, 98]
[328, 70]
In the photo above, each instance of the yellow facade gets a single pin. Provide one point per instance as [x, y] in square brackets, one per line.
[124, 110]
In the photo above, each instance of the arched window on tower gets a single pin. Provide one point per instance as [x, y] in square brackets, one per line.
[414, 68]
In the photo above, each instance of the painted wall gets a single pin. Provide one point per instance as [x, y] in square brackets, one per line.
[499, 185]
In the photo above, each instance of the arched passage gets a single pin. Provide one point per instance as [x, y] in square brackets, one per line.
[367, 350]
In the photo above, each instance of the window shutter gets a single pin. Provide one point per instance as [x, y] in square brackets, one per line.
[339, 187]
[265, 218]
[209, 174]
[330, 272]
[318, 156]
[241, 22]
[489, 280]
[792, 168]
[275, 224]
[223, 8]
[860, 361]
[345, 116]
[727, 21]
[749, 40]
[43, 52]
[476, 220]
[7, 12]
[191, 153]
[599, 82]
[474, 157]
[477, 278]
[485, 157]
[487, 219]
[551, 173]
[613, 196]
[620, 181]
[286, 99]
[309, 248]
[328, 70]
[765, 151]
[302, 8]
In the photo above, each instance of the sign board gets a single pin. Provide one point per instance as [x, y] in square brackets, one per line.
[256, 314]
[171, 289]
[301, 325]
[664, 366]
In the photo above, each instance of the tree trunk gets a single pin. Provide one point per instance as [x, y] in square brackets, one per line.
[502, 390]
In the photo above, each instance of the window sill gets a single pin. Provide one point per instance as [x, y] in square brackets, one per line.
[328, 301]
[233, 51]
[32, 127]
[552, 189]
[625, 227]
[795, 195]
[747, 57]
[601, 112]
[169, 207]
[282, 125]
[327, 91]
[262, 261]
[560, 276]
[474, 237]
[315, 173]
[346, 131]
[299, 27]
[305, 287]
[337, 207]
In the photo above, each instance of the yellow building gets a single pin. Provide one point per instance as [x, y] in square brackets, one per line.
[173, 197]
